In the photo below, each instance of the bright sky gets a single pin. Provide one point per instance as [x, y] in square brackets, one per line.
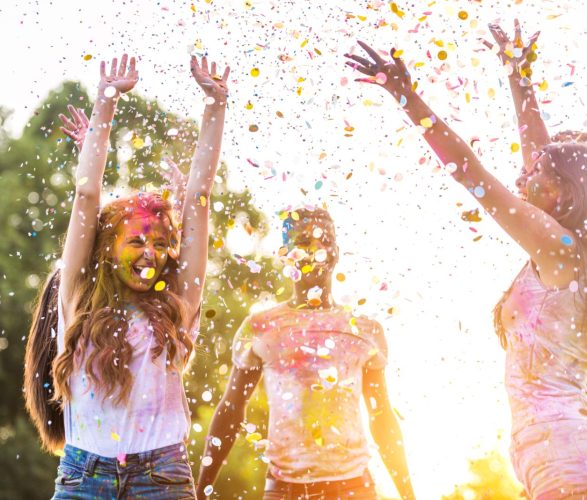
[404, 244]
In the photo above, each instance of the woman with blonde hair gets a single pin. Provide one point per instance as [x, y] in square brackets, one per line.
[541, 321]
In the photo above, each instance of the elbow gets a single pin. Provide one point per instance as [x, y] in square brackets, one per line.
[87, 194]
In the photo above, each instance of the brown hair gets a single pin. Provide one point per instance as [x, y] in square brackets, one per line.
[102, 319]
[41, 350]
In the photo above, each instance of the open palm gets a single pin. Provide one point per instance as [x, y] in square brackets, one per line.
[121, 78]
[212, 84]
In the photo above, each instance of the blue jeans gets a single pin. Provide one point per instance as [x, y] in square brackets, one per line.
[160, 474]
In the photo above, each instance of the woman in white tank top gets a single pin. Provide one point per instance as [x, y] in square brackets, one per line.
[127, 312]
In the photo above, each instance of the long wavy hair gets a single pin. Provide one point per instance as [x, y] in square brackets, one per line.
[102, 319]
[41, 350]
[568, 161]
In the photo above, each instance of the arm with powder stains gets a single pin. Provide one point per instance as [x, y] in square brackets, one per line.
[537, 232]
[226, 424]
[517, 58]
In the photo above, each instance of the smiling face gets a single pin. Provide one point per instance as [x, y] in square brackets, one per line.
[140, 250]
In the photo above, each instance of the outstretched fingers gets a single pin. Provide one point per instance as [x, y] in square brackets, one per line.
[225, 74]
[374, 55]
[359, 68]
[122, 68]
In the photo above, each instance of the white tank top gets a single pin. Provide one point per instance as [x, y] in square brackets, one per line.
[156, 414]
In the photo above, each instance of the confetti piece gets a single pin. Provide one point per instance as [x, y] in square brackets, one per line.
[87, 57]
[109, 91]
[479, 192]
[426, 122]
[59, 452]
[255, 72]
[253, 128]
[147, 273]
[566, 240]
[253, 437]
[115, 436]
[218, 243]
[160, 285]
[209, 489]
[381, 78]
[249, 105]
[463, 15]
[318, 185]
[471, 215]
[340, 277]
[442, 55]
[515, 147]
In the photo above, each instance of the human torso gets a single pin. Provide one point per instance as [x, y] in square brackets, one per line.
[156, 413]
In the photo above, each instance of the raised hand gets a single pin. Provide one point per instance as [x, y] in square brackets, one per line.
[120, 78]
[77, 129]
[392, 75]
[212, 84]
[514, 53]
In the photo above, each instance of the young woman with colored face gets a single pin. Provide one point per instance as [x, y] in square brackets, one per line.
[317, 360]
[542, 320]
[128, 310]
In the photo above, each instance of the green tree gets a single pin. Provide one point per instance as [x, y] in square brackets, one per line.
[35, 201]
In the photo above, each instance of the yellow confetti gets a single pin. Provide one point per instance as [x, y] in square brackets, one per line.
[249, 105]
[230, 223]
[203, 200]
[115, 436]
[426, 122]
[442, 55]
[253, 437]
[59, 452]
[543, 85]
[515, 147]
[87, 57]
[255, 72]
[307, 268]
[304, 43]
[491, 92]
[280, 291]
[396, 10]
[340, 277]
[137, 142]
[463, 15]
[295, 216]
[160, 285]
[218, 243]
[397, 53]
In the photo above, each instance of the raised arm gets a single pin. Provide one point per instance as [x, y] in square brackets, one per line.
[81, 231]
[517, 58]
[194, 240]
[386, 431]
[548, 244]
[225, 425]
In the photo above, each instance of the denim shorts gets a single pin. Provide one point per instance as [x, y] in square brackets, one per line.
[164, 473]
[357, 488]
